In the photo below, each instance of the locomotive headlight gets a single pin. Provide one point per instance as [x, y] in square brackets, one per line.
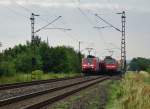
[92, 66]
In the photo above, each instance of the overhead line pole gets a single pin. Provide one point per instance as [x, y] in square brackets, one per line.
[80, 58]
[32, 27]
[123, 39]
[123, 43]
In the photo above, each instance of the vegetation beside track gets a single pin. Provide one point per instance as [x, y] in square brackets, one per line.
[133, 92]
[28, 62]
[40, 56]
[36, 75]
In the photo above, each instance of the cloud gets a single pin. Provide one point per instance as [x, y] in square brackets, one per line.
[84, 5]
[5, 2]
[59, 4]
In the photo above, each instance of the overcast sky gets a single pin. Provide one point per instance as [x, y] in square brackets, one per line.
[78, 15]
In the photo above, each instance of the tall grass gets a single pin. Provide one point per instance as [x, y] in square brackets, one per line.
[133, 92]
[36, 75]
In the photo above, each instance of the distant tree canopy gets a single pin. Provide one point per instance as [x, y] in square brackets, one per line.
[29, 57]
[138, 64]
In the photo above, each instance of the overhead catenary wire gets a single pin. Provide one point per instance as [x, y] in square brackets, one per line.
[15, 12]
[108, 23]
[77, 3]
[48, 24]
[68, 34]
[28, 10]
[31, 11]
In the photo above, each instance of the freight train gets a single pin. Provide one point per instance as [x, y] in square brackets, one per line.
[93, 65]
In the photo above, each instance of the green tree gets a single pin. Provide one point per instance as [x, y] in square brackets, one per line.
[139, 64]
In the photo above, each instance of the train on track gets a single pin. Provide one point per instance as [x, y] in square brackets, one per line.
[93, 65]
[90, 65]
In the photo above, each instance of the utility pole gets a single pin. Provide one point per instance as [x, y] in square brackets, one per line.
[47, 41]
[123, 43]
[32, 26]
[79, 46]
[80, 60]
[123, 38]
[33, 39]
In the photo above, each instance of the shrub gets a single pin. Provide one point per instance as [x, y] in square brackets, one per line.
[37, 75]
[7, 69]
[148, 70]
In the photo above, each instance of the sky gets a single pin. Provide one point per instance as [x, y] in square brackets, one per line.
[79, 16]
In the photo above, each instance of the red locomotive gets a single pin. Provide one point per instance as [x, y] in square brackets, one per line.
[90, 65]
[111, 65]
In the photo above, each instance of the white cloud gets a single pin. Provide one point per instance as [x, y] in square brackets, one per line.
[85, 5]
[5, 2]
[60, 4]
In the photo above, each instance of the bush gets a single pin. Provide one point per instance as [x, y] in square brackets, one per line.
[7, 69]
[27, 58]
[37, 75]
[23, 63]
[148, 70]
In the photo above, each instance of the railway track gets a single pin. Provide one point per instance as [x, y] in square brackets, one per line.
[36, 100]
[24, 84]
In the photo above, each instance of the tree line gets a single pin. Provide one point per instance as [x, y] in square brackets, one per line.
[140, 64]
[39, 56]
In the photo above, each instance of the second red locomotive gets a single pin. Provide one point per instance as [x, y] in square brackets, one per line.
[111, 65]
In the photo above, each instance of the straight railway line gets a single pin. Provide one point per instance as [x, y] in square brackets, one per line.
[24, 84]
[36, 100]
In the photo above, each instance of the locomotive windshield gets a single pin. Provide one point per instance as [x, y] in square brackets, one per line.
[90, 60]
[110, 61]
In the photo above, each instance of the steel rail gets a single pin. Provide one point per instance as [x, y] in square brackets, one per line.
[23, 84]
[34, 94]
[62, 96]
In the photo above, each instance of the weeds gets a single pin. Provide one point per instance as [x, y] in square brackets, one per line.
[36, 75]
[133, 92]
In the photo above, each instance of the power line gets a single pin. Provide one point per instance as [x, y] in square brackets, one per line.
[15, 12]
[31, 11]
[82, 12]
[28, 10]
[65, 29]
[108, 23]
[48, 24]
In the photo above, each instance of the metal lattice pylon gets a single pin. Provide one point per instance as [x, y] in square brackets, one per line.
[123, 44]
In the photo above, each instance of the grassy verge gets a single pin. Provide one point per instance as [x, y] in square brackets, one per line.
[133, 92]
[29, 77]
